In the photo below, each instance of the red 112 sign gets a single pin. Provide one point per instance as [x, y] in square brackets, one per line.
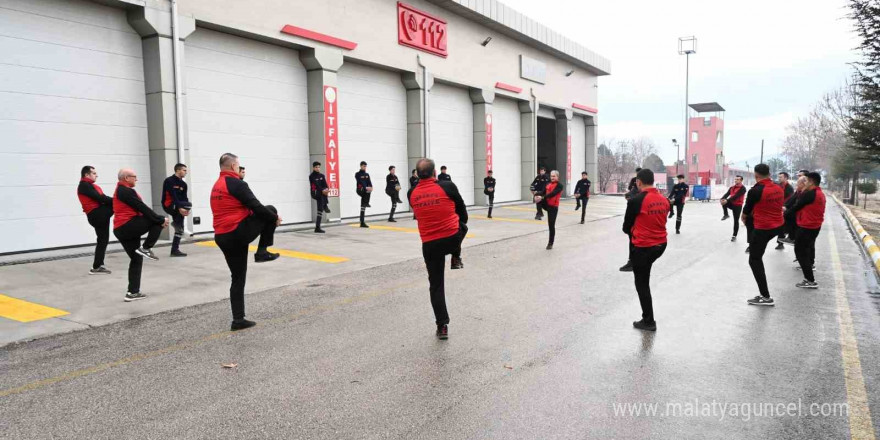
[420, 30]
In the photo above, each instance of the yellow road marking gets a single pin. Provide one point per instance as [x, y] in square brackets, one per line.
[396, 228]
[197, 342]
[26, 311]
[860, 425]
[507, 219]
[289, 253]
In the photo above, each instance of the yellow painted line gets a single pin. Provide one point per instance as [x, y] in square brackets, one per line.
[197, 342]
[26, 311]
[397, 228]
[506, 219]
[289, 253]
[860, 425]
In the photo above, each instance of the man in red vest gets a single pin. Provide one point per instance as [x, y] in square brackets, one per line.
[733, 199]
[645, 223]
[98, 208]
[809, 214]
[764, 209]
[133, 219]
[442, 226]
[239, 218]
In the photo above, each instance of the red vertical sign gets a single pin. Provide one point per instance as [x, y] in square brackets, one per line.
[568, 171]
[488, 142]
[331, 140]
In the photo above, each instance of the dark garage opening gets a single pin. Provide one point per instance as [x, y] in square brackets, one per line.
[547, 144]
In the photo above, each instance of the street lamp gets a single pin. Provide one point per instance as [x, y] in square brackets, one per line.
[686, 47]
[677, 155]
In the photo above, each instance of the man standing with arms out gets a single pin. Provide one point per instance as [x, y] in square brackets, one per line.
[132, 219]
[549, 200]
[733, 199]
[809, 213]
[582, 194]
[678, 195]
[489, 190]
[364, 188]
[176, 204]
[413, 181]
[645, 223]
[788, 191]
[392, 188]
[319, 190]
[537, 187]
[442, 227]
[98, 208]
[764, 208]
[241, 173]
[443, 177]
[239, 218]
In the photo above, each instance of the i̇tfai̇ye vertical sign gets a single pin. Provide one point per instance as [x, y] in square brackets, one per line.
[331, 140]
[488, 142]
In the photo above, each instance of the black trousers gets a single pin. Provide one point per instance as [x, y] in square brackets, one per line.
[538, 207]
[552, 213]
[435, 252]
[749, 229]
[365, 200]
[584, 207]
[491, 196]
[757, 246]
[805, 250]
[643, 259]
[129, 236]
[395, 199]
[235, 249]
[679, 208]
[320, 205]
[790, 229]
[737, 210]
[177, 224]
[99, 218]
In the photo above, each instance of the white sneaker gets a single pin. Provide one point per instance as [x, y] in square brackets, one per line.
[100, 271]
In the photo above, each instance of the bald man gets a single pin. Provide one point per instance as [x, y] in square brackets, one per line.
[133, 219]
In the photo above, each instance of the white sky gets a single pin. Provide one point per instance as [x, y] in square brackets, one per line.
[765, 61]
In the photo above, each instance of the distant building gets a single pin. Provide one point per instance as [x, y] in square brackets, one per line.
[706, 143]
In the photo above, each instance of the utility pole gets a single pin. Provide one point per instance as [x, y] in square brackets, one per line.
[686, 47]
[762, 151]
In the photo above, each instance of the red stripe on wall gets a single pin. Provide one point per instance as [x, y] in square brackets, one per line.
[585, 108]
[508, 87]
[316, 36]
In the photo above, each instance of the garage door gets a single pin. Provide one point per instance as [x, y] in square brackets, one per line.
[507, 163]
[71, 94]
[247, 98]
[578, 152]
[372, 128]
[452, 136]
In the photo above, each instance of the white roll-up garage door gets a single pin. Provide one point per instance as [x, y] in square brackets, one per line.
[578, 152]
[507, 163]
[248, 98]
[71, 94]
[452, 136]
[372, 128]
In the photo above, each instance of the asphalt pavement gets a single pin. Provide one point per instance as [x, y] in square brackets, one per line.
[541, 345]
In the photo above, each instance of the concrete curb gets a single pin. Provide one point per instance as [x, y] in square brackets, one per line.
[866, 238]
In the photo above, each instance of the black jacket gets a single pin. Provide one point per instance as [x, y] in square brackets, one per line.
[317, 184]
[540, 182]
[443, 177]
[362, 178]
[582, 187]
[488, 182]
[174, 191]
[391, 184]
[678, 192]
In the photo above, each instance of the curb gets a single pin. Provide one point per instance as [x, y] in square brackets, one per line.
[867, 240]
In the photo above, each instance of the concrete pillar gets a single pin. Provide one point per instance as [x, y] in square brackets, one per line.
[321, 66]
[563, 134]
[154, 27]
[592, 155]
[418, 137]
[482, 99]
[528, 111]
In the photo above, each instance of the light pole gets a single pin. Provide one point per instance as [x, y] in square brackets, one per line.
[677, 155]
[686, 47]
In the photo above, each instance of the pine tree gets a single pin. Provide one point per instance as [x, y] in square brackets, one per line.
[864, 126]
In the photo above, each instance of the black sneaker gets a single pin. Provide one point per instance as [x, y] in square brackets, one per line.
[241, 324]
[369, 206]
[577, 207]
[677, 231]
[327, 210]
[807, 284]
[486, 217]
[100, 271]
[582, 222]
[642, 325]
[443, 332]
[779, 246]
[725, 217]
[628, 267]
[129, 297]
[391, 220]
[748, 249]
[733, 238]
[319, 231]
[364, 225]
[177, 254]
[146, 253]
[262, 257]
[761, 301]
[537, 217]
[788, 241]
[795, 261]
[549, 246]
[456, 263]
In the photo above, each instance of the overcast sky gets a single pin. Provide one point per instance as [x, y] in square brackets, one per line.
[765, 61]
